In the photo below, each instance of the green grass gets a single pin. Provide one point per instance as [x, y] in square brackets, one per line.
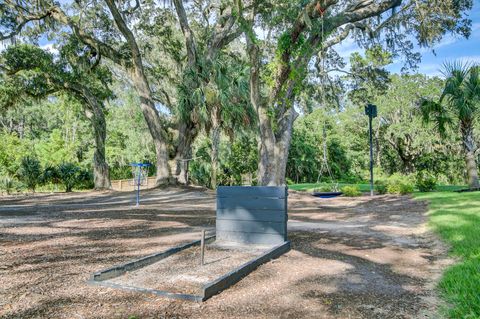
[456, 217]
[309, 187]
[450, 188]
[364, 187]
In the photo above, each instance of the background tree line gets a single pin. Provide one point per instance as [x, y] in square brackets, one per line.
[206, 82]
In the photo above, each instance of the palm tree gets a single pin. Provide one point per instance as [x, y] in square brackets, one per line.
[458, 107]
[217, 99]
[229, 106]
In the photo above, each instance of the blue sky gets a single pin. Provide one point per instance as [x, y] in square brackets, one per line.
[449, 49]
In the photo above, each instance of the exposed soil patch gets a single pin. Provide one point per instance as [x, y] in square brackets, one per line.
[350, 258]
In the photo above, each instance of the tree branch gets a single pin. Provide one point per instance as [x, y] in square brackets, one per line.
[23, 20]
[127, 33]
[57, 14]
[223, 34]
[366, 11]
[339, 38]
[187, 32]
[101, 47]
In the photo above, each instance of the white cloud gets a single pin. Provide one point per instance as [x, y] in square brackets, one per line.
[347, 47]
[430, 69]
[435, 69]
[476, 29]
[50, 47]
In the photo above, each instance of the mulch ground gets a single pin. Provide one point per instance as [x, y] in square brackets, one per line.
[183, 272]
[350, 258]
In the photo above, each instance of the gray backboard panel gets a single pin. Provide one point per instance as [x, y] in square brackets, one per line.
[241, 213]
[252, 214]
[252, 191]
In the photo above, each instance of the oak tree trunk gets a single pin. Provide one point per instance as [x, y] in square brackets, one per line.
[154, 124]
[101, 175]
[147, 105]
[187, 132]
[273, 150]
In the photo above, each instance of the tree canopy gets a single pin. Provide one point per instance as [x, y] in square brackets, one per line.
[212, 75]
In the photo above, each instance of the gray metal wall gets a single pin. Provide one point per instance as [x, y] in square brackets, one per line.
[252, 214]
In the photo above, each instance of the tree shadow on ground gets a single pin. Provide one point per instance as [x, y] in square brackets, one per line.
[92, 233]
[365, 289]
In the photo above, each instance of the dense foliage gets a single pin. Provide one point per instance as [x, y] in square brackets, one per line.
[56, 131]
[403, 143]
[228, 92]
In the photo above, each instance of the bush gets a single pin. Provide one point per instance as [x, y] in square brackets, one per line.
[425, 181]
[380, 187]
[30, 172]
[399, 188]
[7, 184]
[399, 184]
[324, 188]
[351, 191]
[406, 189]
[51, 175]
[71, 175]
[85, 179]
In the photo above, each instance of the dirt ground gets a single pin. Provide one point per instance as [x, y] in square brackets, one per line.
[350, 257]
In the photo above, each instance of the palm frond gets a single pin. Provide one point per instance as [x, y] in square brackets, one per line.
[436, 113]
[460, 97]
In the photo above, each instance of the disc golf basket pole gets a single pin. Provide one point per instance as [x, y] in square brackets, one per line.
[139, 178]
[138, 188]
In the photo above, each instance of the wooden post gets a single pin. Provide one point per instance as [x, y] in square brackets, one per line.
[120, 186]
[202, 248]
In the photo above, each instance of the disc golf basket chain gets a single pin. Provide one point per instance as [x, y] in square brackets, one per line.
[139, 178]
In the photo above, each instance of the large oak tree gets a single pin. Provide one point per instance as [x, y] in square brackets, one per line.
[305, 32]
[30, 71]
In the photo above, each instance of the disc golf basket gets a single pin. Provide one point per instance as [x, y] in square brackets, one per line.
[139, 178]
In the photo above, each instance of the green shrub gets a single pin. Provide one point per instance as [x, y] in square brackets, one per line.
[324, 188]
[399, 184]
[71, 175]
[85, 179]
[425, 181]
[393, 188]
[51, 175]
[30, 172]
[380, 187]
[406, 189]
[351, 191]
[7, 184]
